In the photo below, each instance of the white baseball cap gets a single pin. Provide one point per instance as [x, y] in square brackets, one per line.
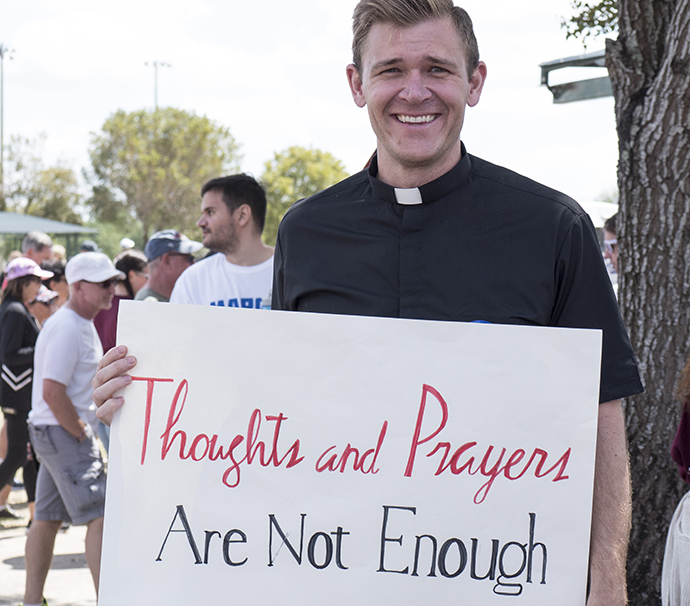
[91, 267]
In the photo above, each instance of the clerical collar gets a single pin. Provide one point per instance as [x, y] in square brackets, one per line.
[424, 194]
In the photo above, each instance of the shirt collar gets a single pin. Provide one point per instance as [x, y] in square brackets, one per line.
[429, 192]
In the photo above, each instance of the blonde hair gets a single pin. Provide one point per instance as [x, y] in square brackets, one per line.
[411, 12]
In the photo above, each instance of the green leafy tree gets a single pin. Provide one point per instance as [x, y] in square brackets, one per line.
[33, 189]
[591, 19]
[293, 174]
[649, 67]
[150, 166]
[110, 233]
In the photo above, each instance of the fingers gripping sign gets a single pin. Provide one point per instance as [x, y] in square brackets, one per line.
[111, 377]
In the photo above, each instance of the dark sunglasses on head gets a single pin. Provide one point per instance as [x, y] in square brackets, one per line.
[105, 283]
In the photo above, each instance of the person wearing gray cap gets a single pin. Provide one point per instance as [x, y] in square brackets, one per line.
[169, 253]
[63, 424]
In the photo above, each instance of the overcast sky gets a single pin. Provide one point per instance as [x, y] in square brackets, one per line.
[274, 73]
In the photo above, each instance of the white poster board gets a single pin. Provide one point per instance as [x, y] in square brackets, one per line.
[274, 457]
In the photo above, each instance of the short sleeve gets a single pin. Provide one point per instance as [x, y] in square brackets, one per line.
[61, 355]
[585, 299]
[180, 292]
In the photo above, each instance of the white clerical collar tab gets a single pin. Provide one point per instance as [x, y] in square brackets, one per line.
[408, 196]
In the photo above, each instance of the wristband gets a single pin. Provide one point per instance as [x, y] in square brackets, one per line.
[82, 435]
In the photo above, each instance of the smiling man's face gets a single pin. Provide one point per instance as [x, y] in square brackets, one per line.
[415, 85]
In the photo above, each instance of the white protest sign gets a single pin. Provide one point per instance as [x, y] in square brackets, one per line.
[276, 457]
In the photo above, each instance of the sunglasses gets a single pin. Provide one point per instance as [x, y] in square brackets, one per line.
[105, 283]
[609, 244]
[190, 258]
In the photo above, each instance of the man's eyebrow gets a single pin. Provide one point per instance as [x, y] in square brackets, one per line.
[440, 61]
[386, 63]
[398, 60]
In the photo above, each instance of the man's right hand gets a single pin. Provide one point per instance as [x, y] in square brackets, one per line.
[110, 378]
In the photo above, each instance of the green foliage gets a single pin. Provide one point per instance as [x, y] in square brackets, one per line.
[33, 189]
[150, 166]
[293, 174]
[591, 20]
[610, 196]
[111, 232]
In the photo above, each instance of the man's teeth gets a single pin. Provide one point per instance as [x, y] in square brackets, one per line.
[416, 119]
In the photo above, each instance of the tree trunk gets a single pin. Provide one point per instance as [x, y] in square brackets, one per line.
[649, 66]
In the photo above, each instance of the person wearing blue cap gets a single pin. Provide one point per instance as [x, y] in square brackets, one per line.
[169, 253]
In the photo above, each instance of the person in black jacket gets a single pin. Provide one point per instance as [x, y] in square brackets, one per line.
[18, 333]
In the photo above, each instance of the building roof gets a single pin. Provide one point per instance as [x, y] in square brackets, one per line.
[579, 90]
[14, 223]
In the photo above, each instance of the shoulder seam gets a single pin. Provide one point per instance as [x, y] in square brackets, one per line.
[552, 198]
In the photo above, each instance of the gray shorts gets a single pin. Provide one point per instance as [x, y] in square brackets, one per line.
[71, 480]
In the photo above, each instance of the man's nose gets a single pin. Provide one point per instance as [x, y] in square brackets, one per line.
[415, 90]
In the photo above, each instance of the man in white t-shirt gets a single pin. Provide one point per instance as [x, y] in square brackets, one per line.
[233, 210]
[62, 422]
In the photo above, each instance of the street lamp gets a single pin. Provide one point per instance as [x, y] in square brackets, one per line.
[3, 51]
[156, 65]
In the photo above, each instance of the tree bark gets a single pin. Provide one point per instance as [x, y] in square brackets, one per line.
[649, 66]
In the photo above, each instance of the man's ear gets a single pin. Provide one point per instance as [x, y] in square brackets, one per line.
[477, 84]
[355, 82]
[242, 215]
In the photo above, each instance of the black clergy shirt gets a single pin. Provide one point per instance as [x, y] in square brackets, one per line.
[479, 243]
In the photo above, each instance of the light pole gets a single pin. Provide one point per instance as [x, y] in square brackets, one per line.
[156, 65]
[3, 51]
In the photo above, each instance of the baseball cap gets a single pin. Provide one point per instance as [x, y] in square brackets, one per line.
[170, 240]
[45, 295]
[21, 266]
[89, 246]
[91, 267]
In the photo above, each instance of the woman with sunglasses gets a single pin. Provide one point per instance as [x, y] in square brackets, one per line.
[611, 242]
[18, 333]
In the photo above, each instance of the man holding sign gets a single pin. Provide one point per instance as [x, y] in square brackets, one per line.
[430, 232]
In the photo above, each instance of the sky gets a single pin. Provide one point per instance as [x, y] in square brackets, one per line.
[274, 73]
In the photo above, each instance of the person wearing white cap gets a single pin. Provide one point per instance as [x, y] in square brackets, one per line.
[126, 243]
[63, 424]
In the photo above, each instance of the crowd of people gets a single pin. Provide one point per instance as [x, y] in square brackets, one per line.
[406, 237]
[58, 317]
